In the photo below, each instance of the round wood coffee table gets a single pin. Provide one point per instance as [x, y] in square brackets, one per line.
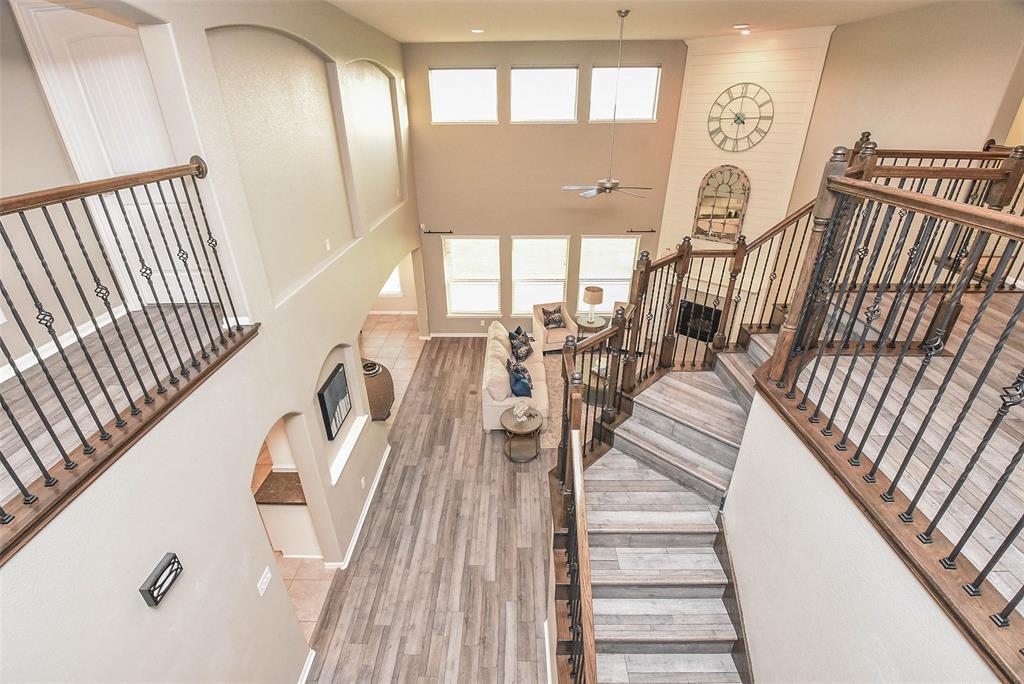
[522, 438]
[587, 329]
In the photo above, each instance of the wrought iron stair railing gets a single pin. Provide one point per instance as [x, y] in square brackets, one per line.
[119, 307]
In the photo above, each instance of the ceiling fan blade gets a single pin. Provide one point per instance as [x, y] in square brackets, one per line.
[633, 187]
[579, 187]
[631, 194]
[593, 192]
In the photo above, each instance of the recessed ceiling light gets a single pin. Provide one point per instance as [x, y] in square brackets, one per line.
[744, 32]
[476, 30]
[740, 27]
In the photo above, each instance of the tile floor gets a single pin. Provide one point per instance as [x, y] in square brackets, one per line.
[307, 582]
[393, 341]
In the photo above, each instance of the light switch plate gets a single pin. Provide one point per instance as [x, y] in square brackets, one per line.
[264, 582]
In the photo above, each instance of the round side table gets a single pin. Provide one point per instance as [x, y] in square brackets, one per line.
[522, 438]
[599, 324]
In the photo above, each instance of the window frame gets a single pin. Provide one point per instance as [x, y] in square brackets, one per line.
[576, 95]
[447, 292]
[582, 283]
[471, 122]
[567, 239]
[654, 106]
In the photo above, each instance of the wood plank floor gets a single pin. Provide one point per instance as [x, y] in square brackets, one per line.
[168, 322]
[449, 580]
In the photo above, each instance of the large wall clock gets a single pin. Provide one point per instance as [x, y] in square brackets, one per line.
[741, 117]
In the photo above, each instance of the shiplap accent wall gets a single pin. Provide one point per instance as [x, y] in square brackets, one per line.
[788, 64]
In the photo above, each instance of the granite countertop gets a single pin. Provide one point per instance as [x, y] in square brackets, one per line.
[281, 488]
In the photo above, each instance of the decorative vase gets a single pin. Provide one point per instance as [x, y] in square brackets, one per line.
[380, 389]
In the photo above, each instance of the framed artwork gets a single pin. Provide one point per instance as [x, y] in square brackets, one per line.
[335, 401]
[722, 204]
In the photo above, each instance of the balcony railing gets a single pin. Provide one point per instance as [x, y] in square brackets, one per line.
[118, 307]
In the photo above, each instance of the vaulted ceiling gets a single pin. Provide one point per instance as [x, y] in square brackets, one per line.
[434, 21]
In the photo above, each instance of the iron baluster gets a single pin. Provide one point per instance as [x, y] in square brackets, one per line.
[27, 497]
[953, 367]
[212, 242]
[48, 479]
[206, 258]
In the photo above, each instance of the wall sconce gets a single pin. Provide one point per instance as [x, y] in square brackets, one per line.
[160, 580]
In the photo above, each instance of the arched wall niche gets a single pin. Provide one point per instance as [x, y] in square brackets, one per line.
[373, 139]
[280, 98]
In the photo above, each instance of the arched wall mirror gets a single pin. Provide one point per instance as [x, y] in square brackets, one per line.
[721, 204]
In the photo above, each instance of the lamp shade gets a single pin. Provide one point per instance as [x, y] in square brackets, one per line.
[593, 294]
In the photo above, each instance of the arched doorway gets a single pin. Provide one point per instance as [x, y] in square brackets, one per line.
[281, 502]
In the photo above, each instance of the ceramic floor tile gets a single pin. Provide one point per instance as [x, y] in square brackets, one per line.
[308, 598]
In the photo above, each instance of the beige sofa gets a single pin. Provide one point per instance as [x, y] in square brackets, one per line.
[495, 392]
[549, 340]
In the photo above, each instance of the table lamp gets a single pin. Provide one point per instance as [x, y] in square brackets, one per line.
[592, 295]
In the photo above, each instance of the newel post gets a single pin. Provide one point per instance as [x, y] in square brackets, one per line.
[637, 295]
[824, 206]
[684, 250]
[731, 296]
[859, 145]
[615, 347]
[1001, 192]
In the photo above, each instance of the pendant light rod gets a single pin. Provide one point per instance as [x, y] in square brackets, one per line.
[623, 13]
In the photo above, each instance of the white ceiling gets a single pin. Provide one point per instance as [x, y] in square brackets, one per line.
[443, 21]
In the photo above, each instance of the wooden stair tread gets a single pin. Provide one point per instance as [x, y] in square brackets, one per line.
[677, 454]
[662, 620]
[700, 400]
[660, 668]
[741, 368]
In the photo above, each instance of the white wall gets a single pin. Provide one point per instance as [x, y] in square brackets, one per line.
[406, 302]
[185, 486]
[824, 597]
[788, 65]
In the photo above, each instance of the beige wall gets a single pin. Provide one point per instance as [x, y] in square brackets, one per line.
[932, 77]
[185, 486]
[853, 613]
[1016, 133]
[505, 179]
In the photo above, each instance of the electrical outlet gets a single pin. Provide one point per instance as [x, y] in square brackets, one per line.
[327, 244]
[482, 323]
[264, 582]
[362, 482]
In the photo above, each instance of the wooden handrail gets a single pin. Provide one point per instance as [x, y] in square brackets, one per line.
[942, 154]
[780, 226]
[989, 220]
[940, 172]
[33, 200]
[582, 542]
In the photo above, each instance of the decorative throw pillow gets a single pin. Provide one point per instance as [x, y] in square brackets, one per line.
[519, 384]
[553, 318]
[518, 335]
[514, 367]
[521, 350]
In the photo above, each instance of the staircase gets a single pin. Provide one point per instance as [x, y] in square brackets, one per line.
[664, 604]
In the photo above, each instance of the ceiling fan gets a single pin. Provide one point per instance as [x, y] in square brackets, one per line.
[609, 185]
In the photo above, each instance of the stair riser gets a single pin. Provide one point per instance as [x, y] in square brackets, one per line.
[733, 383]
[614, 646]
[758, 354]
[647, 540]
[634, 591]
[669, 470]
[701, 442]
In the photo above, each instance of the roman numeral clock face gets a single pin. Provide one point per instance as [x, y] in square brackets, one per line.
[741, 117]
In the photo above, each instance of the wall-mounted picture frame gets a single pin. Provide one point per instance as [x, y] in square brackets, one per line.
[335, 401]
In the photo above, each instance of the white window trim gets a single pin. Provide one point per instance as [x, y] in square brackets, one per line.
[444, 268]
[657, 94]
[497, 96]
[579, 271]
[546, 122]
[565, 280]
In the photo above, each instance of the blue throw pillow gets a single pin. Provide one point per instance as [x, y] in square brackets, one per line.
[520, 386]
[520, 370]
[518, 335]
[521, 350]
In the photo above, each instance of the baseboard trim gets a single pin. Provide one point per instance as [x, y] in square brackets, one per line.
[391, 313]
[482, 334]
[304, 675]
[366, 509]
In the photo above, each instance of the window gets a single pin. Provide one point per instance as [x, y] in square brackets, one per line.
[539, 267]
[607, 262]
[393, 285]
[463, 95]
[638, 94]
[544, 94]
[472, 268]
